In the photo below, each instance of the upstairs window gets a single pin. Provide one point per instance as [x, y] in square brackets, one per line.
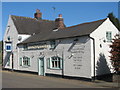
[52, 44]
[109, 36]
[25, 47]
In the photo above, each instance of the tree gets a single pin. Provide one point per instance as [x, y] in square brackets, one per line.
[114, 20]
[115, 53]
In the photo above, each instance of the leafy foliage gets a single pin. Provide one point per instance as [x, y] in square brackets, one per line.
[114, 20]
[115, 53]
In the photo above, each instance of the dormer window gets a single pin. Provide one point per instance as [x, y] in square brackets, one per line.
[52, 44]
[25, 47]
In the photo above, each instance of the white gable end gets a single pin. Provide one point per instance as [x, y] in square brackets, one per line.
[107, 25]
[102, 47]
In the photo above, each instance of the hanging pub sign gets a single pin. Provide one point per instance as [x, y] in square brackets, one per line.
[8, 47]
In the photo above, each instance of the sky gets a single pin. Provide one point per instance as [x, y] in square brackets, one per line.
[73, 12]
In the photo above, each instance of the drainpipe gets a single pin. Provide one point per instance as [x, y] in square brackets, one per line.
[12, 62]
[93, 56]
[63, 63]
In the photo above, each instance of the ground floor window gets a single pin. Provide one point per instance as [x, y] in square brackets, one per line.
[55, 62]
[24, 61]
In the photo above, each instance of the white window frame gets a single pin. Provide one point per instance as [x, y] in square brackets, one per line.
[54, 64]
[22, 61]
[109, 36]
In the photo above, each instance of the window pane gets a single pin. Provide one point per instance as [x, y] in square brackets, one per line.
[52, 63]
[52, 44]
[109, 36]
[59, 64]
[56, 64]
[26, 61]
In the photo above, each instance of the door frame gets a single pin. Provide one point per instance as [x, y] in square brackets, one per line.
[39, 63]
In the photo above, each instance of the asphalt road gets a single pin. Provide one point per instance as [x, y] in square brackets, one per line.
[23, 80]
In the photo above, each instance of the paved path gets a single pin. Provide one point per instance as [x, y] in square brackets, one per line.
[23, 80]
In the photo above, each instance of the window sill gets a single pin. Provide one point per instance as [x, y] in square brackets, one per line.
[55, 68]
[25, 66]
[52, 48]
[109, 41]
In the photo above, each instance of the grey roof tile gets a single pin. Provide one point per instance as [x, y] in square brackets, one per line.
[26, 25]
[73, 31]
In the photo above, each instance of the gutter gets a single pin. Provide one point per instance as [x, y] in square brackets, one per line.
[93, 56]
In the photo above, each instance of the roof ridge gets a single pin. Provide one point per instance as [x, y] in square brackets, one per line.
[30, 18]
[85, 23]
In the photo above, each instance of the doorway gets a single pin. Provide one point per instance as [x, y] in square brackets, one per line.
[41, 66]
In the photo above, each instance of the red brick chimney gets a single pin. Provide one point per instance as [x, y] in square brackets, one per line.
[59, 22]
[38, 14]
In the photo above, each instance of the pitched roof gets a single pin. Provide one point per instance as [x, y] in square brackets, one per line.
[26, 25]
[73, 31]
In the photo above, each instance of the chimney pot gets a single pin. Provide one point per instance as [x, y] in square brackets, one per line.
[60, 15]
[38, 14]
[37, 11]
[59, 22]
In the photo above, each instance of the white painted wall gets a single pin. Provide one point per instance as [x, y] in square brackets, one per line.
[84, 66]
[81, 51]
[99, 35]
[12, 32]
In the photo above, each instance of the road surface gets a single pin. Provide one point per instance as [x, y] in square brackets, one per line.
[23, 80]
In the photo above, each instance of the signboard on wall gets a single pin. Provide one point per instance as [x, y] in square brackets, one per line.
[8, 47]
[78, 51]
[37, 46]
